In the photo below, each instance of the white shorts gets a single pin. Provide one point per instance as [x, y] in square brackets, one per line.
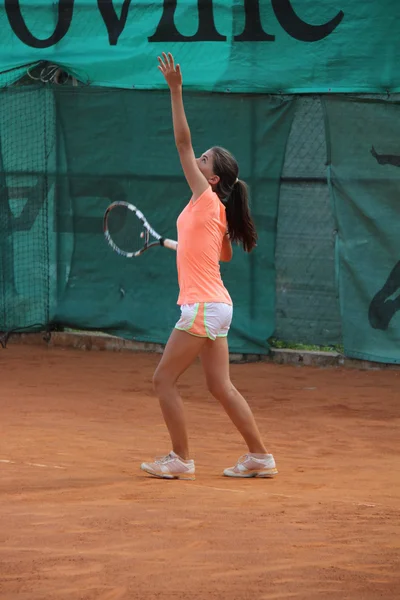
[206, 319]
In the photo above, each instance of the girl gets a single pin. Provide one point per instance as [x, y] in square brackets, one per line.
[217, 213]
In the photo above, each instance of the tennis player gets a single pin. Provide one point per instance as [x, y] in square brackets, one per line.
[216, 215]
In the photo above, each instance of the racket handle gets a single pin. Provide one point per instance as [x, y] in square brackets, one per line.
[171, 244]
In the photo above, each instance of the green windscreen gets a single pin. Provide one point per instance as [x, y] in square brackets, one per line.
[364, 156]
[96, 146]
[240, 46]
[324, 179]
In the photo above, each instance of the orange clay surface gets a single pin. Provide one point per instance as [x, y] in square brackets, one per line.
[80, 520]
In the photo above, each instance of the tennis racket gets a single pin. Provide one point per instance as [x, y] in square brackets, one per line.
[128, 232]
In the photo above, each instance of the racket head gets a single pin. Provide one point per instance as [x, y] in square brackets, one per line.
[126, 230]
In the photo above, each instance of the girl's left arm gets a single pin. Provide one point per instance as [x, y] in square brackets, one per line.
[196, 180]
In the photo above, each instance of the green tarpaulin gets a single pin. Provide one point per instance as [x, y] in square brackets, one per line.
[364, 158]
[260, 46]
[87, 147]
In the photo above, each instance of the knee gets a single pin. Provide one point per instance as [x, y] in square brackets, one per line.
[157, 381]
[161, 381]
[220, 389]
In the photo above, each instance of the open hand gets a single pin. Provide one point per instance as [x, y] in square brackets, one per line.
[172, 73]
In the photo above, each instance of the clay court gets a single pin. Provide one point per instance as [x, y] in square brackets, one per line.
[79, 520]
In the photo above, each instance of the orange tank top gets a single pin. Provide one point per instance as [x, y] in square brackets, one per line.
[201, 228]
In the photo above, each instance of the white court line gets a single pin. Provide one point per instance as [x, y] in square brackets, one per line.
[302, 498]
[45, 466]
[13, 462]
[210, 487]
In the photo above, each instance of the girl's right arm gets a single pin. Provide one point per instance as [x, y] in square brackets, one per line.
[226, 250]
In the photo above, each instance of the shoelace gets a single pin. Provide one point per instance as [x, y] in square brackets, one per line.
[243, 458]
[163, 459]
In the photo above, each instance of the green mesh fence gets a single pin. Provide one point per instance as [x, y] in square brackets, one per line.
[307, 299]
[327, 260]
[27, 157]
[108, 145]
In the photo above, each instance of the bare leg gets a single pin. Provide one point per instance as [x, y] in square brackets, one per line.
[215, 360]
[180, 352]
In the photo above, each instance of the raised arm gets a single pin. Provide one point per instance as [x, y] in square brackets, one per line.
[196, 180]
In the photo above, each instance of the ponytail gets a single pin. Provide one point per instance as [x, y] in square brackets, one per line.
[234, 194]
[241, 227]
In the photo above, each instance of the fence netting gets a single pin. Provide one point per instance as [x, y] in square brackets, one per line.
[67, 152]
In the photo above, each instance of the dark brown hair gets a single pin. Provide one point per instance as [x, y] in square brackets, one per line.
[234, 194]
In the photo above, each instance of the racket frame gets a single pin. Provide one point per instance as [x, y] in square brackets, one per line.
[147, 232]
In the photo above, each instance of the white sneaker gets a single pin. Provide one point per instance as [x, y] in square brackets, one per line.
[171, 466]
[252, 466]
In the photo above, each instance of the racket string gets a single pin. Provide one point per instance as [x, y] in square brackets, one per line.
[126, 229]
